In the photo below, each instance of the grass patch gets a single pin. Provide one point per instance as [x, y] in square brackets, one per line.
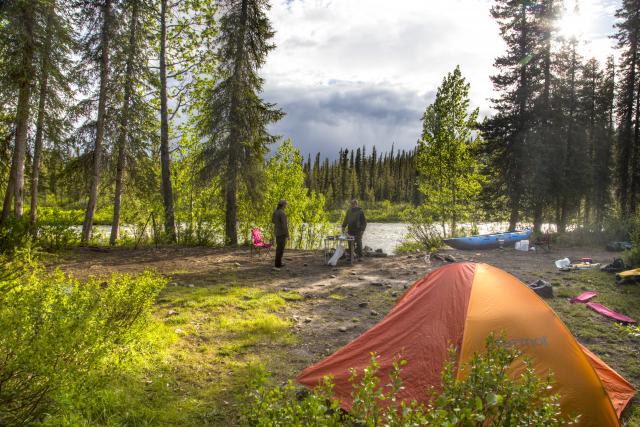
[337, 297]
[203, 343]
[616, 347]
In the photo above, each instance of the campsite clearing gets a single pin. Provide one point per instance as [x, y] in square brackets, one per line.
[225, 313]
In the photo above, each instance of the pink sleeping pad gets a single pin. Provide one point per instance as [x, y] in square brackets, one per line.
[583, 297]
[607, 312]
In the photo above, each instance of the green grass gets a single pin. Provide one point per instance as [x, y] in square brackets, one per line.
[196, 358]
[604, 337]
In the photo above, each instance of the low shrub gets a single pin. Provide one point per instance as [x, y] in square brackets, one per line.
[484, 395]
[633, 256]
[422, 229]
[54, 330]
[409, 247]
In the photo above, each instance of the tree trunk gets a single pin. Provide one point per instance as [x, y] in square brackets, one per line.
[37, 146]
[124, 125]
[165, 158]
[537, 218]
[8, 196]
[16, 180]
[100, 124]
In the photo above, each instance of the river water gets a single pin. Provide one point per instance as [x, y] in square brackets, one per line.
[378, 235]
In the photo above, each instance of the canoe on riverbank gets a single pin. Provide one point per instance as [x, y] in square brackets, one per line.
[487, 241]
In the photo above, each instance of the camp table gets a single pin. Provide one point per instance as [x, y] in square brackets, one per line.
[330, 242]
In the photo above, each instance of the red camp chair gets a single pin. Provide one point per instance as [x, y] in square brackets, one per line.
[257, 243]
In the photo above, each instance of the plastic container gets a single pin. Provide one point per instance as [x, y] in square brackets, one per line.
[522, 245]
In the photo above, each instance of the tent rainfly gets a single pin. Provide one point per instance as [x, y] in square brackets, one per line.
[461, 304]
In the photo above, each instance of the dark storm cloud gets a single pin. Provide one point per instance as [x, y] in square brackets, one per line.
[329, 117]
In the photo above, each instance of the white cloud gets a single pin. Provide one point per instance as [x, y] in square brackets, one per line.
[400, 49]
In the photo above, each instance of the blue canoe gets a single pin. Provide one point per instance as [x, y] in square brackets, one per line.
[486, 241]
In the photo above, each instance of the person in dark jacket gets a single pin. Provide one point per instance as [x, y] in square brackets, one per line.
[355, 223]
[280, 230]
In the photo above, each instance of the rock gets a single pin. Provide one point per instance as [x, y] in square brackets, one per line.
[343, 329]
[414, 272]
[237, 264]
[172, 313]
[179, 331]
[394, 294]
[285, 289]
[542, 288]
[334, 269]
[333, 276]
[363, 304]
[374, 313]
[449, 258]
[436, 256]
[305, 265]
[191, 285]
[405, 286]
[360, 278]
[173, 284]
[307, 320]
[376, 283]
[379, 251]
[353, 273]
[368, 249]
[275, 269]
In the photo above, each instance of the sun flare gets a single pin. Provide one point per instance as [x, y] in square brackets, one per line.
[575, 19]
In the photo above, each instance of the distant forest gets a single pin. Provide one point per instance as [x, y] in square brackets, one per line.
[368, 177]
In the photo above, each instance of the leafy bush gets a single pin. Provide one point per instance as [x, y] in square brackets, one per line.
[284, 179]
[485, 395]
[633, 256]
[14, 234]
[421, 228]
[409, 247]
[58, 228]
[54, 330]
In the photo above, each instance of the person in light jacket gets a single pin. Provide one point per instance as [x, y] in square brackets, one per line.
[280, 231]
[355, 223]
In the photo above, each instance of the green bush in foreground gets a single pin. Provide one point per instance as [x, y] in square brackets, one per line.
[485, 396]
[55, 330]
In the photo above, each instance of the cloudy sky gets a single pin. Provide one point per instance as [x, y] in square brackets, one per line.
[361, 72]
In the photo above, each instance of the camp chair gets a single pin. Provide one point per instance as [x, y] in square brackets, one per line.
[257, 244]
[543, 241]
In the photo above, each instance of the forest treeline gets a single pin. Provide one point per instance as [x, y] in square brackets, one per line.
[120, 108]
[369, 177]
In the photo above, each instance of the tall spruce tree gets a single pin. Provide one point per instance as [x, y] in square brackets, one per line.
[517, 83]
[236, 117]
[56, 76]
[18, 35]
[98, 48]
[628, 38]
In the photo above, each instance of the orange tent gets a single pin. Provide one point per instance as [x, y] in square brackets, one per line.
[461, 304]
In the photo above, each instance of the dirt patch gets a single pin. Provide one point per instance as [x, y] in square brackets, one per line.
[337, 305]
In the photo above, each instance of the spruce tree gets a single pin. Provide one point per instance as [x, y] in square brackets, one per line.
[628, 37]
[237, 119]
[98, 48]
[517, 83]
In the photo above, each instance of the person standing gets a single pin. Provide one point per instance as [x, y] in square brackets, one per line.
[280, 230]
[355, 223]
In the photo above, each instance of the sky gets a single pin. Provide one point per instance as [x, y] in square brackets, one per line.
[349, 73]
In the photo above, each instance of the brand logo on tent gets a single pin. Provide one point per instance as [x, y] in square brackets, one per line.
[527, 342]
